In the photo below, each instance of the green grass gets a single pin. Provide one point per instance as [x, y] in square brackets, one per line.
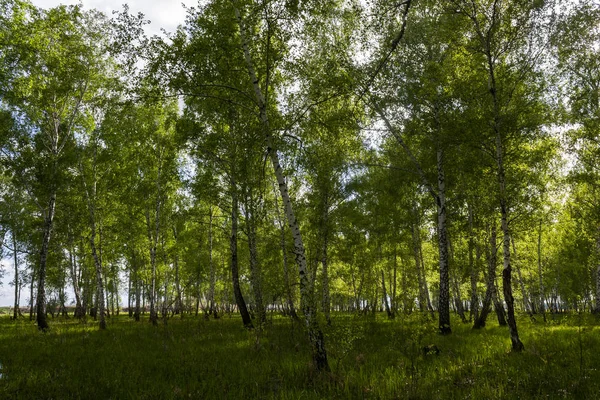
[370, 358]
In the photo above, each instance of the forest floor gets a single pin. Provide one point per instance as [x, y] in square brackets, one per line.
[370, 357]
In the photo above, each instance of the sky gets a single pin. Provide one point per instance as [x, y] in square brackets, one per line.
[165, 14]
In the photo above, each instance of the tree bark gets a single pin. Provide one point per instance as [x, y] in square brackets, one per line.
[490, 280]
[315, 334]
[326, 303]
[42, 324]
[255, 274]
[211, 266]
[385, 297]
[597, 309]
[473, 267]
[444, 300]
[235, 275]
[286, 277]
[16, 265]
[178, 298]
[527, 303]
[539, 257]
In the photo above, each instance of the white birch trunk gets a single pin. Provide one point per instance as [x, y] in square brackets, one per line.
[307, 304]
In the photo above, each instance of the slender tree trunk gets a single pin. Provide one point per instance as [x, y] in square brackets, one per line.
[517, 345]
[597, 271]
[444, 300]
[326, 302]
[16, 265]
[499, 307]
[235, 276]
[42, 324]
[211, 266]
[286, 277]
[527, 304]
[255, 275]
[490, 280]
[394, 284]
[539, 256]
[129, 292]
[385, 297]
[315, 334]
[473, 267]
[178, 298]
[137, 287]
[458, 301]
[153, 238]
[31, 298]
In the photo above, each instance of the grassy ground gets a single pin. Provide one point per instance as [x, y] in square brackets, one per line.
[370, 357]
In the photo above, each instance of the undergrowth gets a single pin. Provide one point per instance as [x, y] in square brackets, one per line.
[370, 358]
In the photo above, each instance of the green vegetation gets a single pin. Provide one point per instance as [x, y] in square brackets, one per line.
[371, 357]
[434, 159]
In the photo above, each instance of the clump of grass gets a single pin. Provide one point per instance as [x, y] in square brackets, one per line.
[370, 358]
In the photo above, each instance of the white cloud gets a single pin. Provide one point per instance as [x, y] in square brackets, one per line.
[165, 14]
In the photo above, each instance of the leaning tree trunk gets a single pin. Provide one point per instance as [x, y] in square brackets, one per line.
[315, 334]
[235, 275]
[42, 324]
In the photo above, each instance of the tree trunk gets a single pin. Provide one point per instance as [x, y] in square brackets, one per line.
[458, 301]
[597, 272]
[490, 280]
[527, 304]
[499, 307]
[473, 267]
[517, 345]
[16, 265]
[99, 281]
[235, 275]
[153, 239]
[255, 275]
[542, 290]
[178, 298]
[211, 267]
[315, 334]
[385, 297]
[42, 324]
[444, 300]
[31, 299]
[286, 277]
[326, 303]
